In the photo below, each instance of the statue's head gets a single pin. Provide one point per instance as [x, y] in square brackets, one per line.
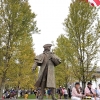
[47, 47]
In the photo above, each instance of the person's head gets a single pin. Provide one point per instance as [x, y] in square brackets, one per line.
[60, 86]
[47, 47]
[77, 85]
[64, 88]
[89, 84]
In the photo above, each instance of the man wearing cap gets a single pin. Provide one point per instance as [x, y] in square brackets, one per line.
[46, 79]
[90, 92]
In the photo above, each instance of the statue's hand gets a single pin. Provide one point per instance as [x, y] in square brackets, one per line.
[33, 69]
[34, 66]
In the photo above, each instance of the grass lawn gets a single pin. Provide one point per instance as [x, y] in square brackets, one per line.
[32, 96]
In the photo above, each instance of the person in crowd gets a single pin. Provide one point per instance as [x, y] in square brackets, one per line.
[46, 93]
[38, 93]
[7, 94]
[65, 93]
[90, 92]
[19, 92]
[49, 93]
[60, 92]
[13, 94]
[23, 92]
[26, 95]
[69, 91]
[76, 94]
[3, 96]
[98, 91]
[35, 92]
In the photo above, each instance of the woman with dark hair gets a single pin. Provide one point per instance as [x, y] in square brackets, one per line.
[76, 94]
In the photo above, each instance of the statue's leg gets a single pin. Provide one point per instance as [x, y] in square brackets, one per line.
[42, 92]
[43, 85]
[53, 94]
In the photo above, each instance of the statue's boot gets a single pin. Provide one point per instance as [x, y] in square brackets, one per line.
[53, 94]
[53, 97]
[42, 94]
[40, 97]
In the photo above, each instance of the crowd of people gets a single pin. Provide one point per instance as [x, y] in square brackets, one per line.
[10, 94]
[75, 93]
[61, 93]
[14, 93]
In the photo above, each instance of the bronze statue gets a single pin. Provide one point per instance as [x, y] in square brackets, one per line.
[46, 79]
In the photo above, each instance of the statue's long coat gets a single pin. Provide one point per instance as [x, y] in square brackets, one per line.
[44, 61]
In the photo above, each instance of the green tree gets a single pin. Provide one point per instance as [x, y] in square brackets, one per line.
[82, 32]
[24, 57]
[16, 20]
[64, 70]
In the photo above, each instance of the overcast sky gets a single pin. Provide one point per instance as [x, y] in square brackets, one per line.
[50, 18]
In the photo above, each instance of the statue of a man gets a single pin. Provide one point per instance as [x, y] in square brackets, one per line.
[46, 79]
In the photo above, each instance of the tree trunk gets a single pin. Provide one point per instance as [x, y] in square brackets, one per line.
[83, 86]
[2, 87]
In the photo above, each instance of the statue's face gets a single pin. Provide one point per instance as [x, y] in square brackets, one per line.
[48, 48]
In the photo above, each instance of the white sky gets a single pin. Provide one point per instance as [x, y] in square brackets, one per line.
[50, 18]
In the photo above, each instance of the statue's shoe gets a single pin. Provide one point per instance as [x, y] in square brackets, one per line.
[54, 98]
[40, 98]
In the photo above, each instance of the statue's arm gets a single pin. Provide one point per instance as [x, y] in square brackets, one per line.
[38, 61]
[55, 59]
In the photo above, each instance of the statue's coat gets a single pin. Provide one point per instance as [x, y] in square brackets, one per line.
[48, 61]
